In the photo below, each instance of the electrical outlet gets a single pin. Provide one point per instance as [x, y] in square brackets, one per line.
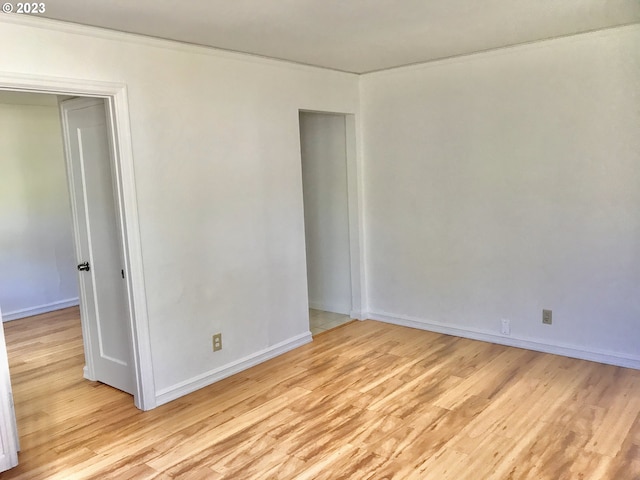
[506, 326]
[217, 342]
[547, 318]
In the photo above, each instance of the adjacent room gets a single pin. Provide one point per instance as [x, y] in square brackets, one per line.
[349, 240]
[325, 187]
[37, 271]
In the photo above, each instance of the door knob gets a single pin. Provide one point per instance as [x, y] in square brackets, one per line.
[83, 267]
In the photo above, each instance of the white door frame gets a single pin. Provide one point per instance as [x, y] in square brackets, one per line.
[354, 200]
[9, 444]
[116, 105]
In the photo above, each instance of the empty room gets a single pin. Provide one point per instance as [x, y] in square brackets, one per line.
[310, 240]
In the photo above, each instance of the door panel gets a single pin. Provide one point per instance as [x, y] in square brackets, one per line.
[8, 431]
[102, 293]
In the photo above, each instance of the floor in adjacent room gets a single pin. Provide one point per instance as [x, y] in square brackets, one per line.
[320, 321]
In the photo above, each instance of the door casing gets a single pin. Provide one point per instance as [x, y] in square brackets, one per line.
[9, 444]
[116, 106]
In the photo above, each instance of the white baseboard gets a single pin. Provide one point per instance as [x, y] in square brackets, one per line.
[178, 390]
[329, 308]
[49, 307]
[610, 358]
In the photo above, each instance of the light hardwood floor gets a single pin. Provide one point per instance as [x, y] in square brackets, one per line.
[363, 401]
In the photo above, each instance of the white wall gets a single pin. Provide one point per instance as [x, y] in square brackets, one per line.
[326, 212]
[216, 148]
[503, 183]
[37, 261]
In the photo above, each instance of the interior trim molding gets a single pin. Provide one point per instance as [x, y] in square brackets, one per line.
[572, 351]
[205, 379]
[38, 309]
[87, 374]
[117, 106]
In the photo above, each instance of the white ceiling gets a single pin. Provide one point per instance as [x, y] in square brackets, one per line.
[351, 35]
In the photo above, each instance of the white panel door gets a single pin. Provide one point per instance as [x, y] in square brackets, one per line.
[8, 431]
[103, 304]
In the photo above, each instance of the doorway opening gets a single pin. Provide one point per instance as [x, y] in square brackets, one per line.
[54, 212]
[330, 218]
[114, 98]
[38, 259]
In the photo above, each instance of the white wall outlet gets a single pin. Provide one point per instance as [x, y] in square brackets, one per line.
[217, 342]
[506, 326]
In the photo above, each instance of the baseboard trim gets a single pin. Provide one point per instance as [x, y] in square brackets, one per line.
[609, 358]
[178, 390]
[49, 307]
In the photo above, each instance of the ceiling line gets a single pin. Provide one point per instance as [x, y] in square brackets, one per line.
[110, 33]
[96, 31]
[497, 49]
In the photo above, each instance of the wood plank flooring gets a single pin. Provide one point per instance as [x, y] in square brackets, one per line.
[364, 401]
